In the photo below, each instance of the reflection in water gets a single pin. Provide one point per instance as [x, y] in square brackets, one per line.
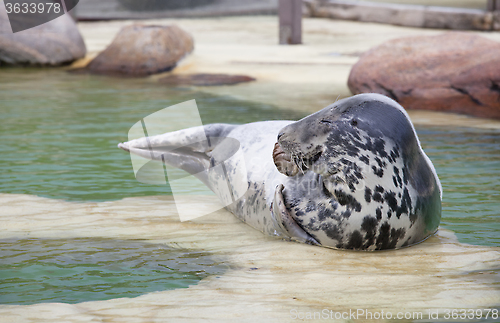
[78, 270]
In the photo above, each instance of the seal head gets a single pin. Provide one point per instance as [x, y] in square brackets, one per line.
[358, 177]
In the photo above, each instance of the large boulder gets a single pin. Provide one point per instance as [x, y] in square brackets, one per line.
[140, 50]
[456, 72]
[56, 42]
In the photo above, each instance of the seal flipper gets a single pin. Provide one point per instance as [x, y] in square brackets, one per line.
[285, 222]
[187, 149]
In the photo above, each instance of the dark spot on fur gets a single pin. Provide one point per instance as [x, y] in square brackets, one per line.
[380, 163]
[388, 238]
[311, 223]
[332, 231]
[334, 204]
[293, 202]
[378, 212]
[355, 241]
[390, 198]
[369, 225]
[368, 195]
[377, 197]
[394, 155]
[364, 159]
[405, 175]
[348, 200]
[311, 206]
[352, 150]
[324, 213]
[326, 191]
[299, 212]
[405, 204]
[396, 235]
[379, 172]
[400, 181]
[383, 238]
[379, 147]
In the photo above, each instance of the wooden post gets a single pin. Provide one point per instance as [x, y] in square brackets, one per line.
[290, 20]
[493, 5]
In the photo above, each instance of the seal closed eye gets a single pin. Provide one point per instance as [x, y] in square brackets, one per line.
[351, 176]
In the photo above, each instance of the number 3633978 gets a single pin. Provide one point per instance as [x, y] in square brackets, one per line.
[33, 7]
[471, 314]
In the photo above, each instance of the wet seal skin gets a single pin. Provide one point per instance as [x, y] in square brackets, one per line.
[351, 176]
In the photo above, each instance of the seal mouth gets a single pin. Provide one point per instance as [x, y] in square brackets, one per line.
[290, 163]
[284, 221]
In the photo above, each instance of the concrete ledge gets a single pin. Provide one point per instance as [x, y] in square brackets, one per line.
[405, 15]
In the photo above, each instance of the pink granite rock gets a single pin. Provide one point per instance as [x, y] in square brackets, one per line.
[455, 72]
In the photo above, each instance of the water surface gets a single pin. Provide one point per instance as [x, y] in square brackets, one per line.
[79, 270]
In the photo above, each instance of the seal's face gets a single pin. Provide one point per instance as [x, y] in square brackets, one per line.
[348, 128]
[364, 159]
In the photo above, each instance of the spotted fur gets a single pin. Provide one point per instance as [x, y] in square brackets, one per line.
[354, 175]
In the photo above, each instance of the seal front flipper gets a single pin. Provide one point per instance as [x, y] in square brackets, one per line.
[284, 221]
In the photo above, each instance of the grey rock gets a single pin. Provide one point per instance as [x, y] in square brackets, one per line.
[56, 42]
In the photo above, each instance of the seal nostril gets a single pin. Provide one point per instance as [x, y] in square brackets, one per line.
[280, 135]
[354, 122]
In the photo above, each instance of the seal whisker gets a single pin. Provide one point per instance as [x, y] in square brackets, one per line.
[304, 163]
[301, 161]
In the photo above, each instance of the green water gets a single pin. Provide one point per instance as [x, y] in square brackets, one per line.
[468, 164]
[59, 131]
[59, 134]
[78, 270]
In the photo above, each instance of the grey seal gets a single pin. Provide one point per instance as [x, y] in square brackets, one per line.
[350, 176]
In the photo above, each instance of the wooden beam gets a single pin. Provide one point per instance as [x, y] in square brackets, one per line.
[493, 5]
[419, 16]
[290, 21]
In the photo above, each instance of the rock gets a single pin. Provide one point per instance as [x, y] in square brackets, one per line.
[455, 72]
[140, 50]
[205, 79]
[54, 43]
